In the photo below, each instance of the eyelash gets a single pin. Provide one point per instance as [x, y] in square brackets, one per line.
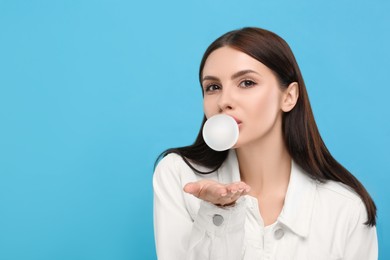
[207, 88]
[251, 82]
[245, 81]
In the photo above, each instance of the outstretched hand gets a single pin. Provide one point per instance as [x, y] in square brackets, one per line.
[217, 193]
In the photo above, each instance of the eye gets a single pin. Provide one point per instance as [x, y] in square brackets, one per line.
[247, 83]
[211, 88]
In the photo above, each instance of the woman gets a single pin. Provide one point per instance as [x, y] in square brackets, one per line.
[279, 193]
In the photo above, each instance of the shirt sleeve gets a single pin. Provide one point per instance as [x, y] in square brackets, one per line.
[362, 241]
[214, 233]
[218, 233]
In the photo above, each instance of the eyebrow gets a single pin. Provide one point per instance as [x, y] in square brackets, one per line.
[234, 76]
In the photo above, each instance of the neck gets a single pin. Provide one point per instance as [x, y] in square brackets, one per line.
[265, 165]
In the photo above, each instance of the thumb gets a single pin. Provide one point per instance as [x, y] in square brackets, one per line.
[192, 188]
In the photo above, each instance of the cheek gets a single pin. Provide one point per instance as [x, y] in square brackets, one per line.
[209, 107]
[265, 109]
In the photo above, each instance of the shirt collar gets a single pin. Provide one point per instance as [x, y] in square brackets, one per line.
[299, 201]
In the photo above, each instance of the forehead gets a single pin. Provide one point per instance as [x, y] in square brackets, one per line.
[229, 60]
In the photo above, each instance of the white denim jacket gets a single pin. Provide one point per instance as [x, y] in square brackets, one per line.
[317, 222]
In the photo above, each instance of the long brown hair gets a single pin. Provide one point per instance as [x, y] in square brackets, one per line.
[300, 131]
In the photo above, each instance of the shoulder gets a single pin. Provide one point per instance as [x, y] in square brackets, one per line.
[340, 201]
[341, 206]
[338, 190]
[171, 161]
[171, 166]
[173, 169]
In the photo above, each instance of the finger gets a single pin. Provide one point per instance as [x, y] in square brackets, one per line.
[193, 188]
[242, 186]
[237, 190]
[232, 195]
[236, 195]
[221, 191]
[237, 186]
[228, 199]
[214, 193]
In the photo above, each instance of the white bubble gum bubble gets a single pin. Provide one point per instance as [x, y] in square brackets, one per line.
[220, 132]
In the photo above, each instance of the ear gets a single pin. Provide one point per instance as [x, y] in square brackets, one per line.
[290, 97]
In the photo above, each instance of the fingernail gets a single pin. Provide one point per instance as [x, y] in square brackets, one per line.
[223, 194]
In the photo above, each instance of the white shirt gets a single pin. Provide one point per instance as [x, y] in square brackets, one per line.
[318, 221]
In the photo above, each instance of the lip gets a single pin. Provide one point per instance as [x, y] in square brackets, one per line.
[238, 121]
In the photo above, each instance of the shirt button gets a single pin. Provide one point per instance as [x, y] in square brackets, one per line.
[217, 220]
[279, 233]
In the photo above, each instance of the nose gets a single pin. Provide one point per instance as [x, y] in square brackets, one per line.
[226, 100]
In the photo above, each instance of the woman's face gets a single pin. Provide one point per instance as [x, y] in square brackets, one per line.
[236, 84]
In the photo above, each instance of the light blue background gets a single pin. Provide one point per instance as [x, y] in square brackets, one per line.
[92, 91]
